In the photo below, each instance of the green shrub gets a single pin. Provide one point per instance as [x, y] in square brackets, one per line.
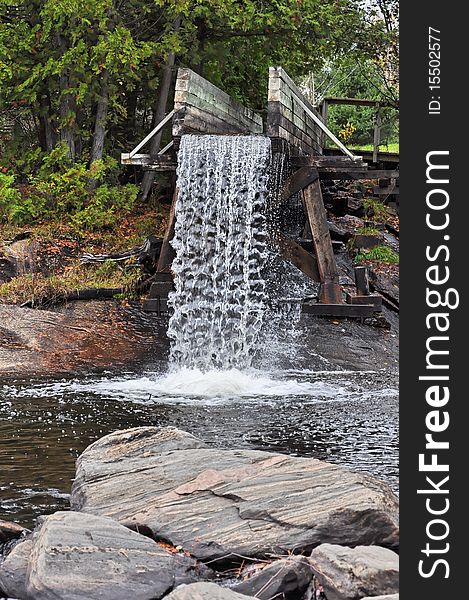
[382, 254]
[15, 209]
[375, 211]
[81, 196]
[368, 231]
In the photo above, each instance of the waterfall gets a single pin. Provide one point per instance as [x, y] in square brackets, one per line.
[220, 240]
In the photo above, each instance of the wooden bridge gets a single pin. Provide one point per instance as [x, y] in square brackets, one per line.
[297, 130]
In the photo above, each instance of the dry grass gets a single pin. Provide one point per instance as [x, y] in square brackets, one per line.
[43, 291]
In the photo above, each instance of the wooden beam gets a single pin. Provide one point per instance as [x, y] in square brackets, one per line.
[162, 162]
[297, 181]
[160, 125]
[339, 310]
[330, 161]
[330, 291]
[376, 133]
[356, 101]
[324, 115]
[167, 253]
[358, 174]
[298, 256]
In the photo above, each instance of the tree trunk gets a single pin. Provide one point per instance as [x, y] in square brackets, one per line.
[66, 106]
[159, 112]
[101, 118]
[66, 115]
[47, 129]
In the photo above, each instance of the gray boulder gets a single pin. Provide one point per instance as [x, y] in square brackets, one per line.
[11, 531]
[286, 579]
[217, 503]
[387, 597]
[353, 573]
[84, 557]
[13, 571]
[204, 591]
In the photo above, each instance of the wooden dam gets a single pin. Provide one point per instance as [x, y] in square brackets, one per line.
[298, 131]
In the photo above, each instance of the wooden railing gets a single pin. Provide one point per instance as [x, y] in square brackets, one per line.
[377, 120]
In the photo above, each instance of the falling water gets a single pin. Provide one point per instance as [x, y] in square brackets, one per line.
[221, 243]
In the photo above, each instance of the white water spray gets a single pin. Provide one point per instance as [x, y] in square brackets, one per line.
[221, 244]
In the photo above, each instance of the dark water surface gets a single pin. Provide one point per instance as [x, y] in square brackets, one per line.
[349, 418]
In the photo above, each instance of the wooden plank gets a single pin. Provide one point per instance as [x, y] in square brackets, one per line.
[356, 101]
[167, 253]
[298, 256]
[375, 299]
[339, 310]
[199, 86]
[330, 291]
[163, 161]
[358, 174]
[324, 115]
[287, 113]
[278, 125]
[211, 103]
[376, 133]
[297, 181]
[324, 162]
[190, 119]
[385, 157]
[197, 98]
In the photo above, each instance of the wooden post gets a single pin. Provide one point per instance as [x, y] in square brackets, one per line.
[377, 132]
[167, 253]
[361, 281]
[330, 291]
[324, 115]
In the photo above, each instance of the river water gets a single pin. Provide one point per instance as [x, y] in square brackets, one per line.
[286, 397]
[346, 417]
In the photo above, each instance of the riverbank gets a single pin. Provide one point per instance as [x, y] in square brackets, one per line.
[152, 509]
[90, 337]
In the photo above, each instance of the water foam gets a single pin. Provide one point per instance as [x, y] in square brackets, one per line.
[220, 242]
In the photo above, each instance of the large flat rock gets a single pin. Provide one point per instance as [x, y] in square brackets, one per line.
[83, 557]
[352, 573]
[217, 503]
[76, 337]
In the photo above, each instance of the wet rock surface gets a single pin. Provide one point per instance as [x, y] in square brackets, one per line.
[76, 556]
[11, 531]
[217, 503]
[85, 337]
[14, 569]
[352, 573]
[76, 338]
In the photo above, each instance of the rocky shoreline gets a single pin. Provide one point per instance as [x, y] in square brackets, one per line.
[156, 513]
[89, 337]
